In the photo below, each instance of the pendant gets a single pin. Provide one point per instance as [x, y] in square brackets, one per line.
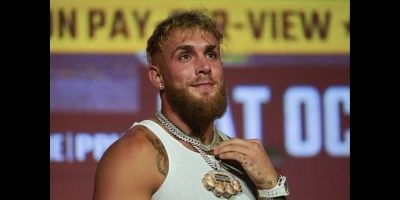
[221, 183]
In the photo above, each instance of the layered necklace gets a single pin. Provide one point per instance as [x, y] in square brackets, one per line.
[220, 183]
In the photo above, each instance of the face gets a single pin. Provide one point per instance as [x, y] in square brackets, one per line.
[190, 60]
[191, 70]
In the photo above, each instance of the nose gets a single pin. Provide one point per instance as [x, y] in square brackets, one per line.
[204, 66]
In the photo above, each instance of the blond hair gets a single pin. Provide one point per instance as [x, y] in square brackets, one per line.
[180, 19]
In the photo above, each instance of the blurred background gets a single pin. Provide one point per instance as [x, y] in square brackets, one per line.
[286, 66]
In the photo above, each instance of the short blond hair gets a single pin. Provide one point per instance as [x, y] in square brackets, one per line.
[180, 19]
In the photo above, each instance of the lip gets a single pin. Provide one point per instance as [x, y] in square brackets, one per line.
[203, 84]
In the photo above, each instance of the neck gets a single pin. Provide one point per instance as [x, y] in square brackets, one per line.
[205, 134]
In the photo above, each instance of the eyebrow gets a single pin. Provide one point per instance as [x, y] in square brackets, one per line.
[211, 47]
[183, 47]
[190, 48]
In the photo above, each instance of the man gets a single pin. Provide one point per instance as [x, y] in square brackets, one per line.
[179, 154]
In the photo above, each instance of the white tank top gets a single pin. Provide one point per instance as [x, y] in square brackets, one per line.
[186, 169]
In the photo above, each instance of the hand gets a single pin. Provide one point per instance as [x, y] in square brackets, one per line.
[253, 158]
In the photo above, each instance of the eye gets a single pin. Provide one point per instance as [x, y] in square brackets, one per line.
[212, 55]
[184, 57]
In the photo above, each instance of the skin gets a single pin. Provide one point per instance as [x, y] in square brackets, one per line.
[189, 60]
[135, 166]
[134, 157]
[252, 157]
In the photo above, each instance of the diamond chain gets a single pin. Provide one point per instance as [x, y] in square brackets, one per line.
[179, 134]
[211, 163]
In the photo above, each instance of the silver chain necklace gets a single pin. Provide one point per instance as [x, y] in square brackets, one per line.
[179, 134]
[220, 183]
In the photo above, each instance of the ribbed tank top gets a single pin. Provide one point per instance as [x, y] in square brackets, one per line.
[186, 169]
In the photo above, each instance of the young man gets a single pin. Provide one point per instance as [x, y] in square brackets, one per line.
[179, 154]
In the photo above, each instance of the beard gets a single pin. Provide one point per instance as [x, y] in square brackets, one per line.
[197, 113]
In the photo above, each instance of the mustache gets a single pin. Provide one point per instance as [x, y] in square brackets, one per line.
[203, 79]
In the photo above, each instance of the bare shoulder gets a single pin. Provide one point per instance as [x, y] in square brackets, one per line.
[125, 169]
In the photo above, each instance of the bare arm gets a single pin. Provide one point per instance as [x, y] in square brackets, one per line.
[132, 168]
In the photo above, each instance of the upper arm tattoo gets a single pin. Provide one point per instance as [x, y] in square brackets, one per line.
[162, 158]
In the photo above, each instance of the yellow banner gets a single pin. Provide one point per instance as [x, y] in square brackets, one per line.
[250, 27]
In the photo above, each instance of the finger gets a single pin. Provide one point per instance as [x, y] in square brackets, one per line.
[235, 141]
[234, 148]
[242, 159]
[243, 142]
[232, 155]
[257, 142]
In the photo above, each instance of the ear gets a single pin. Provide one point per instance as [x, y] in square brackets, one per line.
[155, 76]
